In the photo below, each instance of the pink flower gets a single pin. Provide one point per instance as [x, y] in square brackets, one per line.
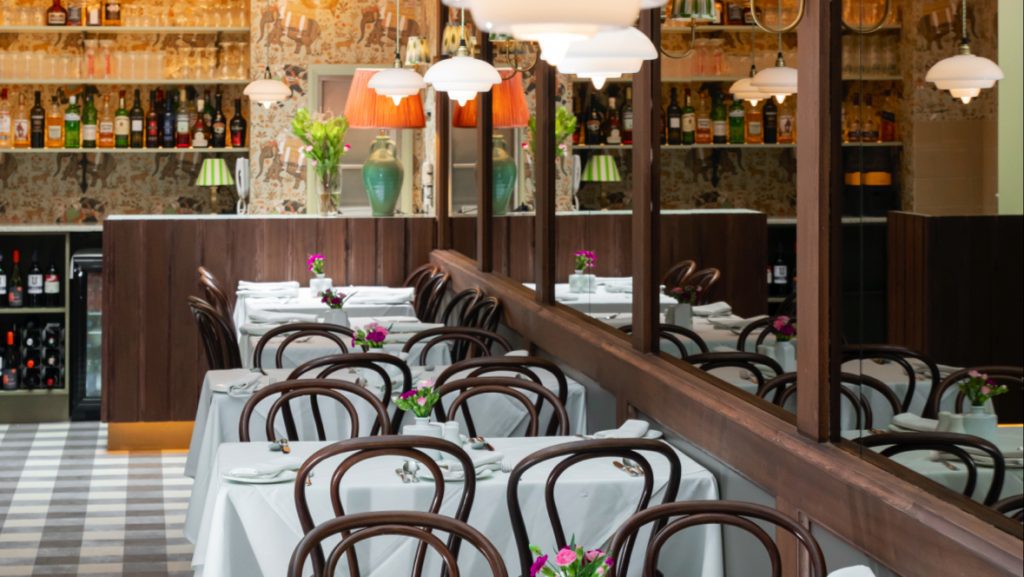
[424, 385]
[985, 389]
[565, 557]
[421, 401]
[593, 554]
[974, 374]
[538, 564]
[406, 394]
[348, 147]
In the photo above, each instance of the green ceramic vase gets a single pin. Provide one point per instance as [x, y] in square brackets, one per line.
[382, 177]
[504, 178]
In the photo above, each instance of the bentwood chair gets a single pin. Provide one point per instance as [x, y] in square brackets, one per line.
[218, 339]
[965, 448]
[676, 336]
[1012, 377]
[909, 361]
[760, 367]
[300, 332]
[521, 367]
[428, 304]
[696, 513]
[780, 390]
[414, 278]
[763, 329]
[341, 391]
[455, 310]
[703, 280]
[376, 363]
[569, 454]
[518, 390]
[359, 527]
[677, 275]
[478, 342]
[215, 295]
[484, 314]
[360, 450]
[1012, 507]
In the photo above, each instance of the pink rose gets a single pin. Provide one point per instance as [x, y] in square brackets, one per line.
[974, 374]
[565, 557]
[421, 401]
[593, 554]
[985, 389]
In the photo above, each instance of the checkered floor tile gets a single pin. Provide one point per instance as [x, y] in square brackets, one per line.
[69, 507]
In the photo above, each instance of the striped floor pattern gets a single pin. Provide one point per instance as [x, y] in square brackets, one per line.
[69, 507]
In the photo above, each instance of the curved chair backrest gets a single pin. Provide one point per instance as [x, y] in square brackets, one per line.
[963, 447]
[752, 362]
[428, 303]
[697, 513]
[516, 389]
[409, 447]
[704, 281]
[339, 335]
[1012, 507]
[478, 342]
[456, 308]
[527, 367]
[374, 362]
[903, 357]
[484, 314]
[781, 390]
[340, 391]
[570, 454]
[219, 343]
[357, 528]
[677, 275]
[762, 326]
[677, 337]
[425, 270]
[215, 295]
[1009, 376]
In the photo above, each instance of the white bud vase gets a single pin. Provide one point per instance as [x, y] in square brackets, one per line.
[681, 315]
[580, 282]
[423, 427]
[336, 317]
[785, 355]
[319, 284]
[981, 423]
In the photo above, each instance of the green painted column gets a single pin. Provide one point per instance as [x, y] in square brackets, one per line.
[1011, 113]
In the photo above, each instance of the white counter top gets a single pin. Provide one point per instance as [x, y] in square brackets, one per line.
[48, 228]
[355, 213]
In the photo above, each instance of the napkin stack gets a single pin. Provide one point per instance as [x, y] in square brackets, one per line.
[413, 327]
[631, 429]
[264, 471]
[730, 323]
[717, 309]
[242, 385]
[855, 571]
[263, 317]
[288, 289]
[381, 297]
[1014, 458]
[619, 288]
[909, 422]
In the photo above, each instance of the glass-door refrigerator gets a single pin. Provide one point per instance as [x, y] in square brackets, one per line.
[86, 334]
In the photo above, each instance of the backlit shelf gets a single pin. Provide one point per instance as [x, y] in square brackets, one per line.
[740, 146]
[32, 311]
[124, 30]
[121, 81]
[122, 151]
[712, 28]
[709, 79]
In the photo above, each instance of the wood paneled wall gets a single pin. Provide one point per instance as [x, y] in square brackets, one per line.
[735, 243]
[956, 286]
[152, 359]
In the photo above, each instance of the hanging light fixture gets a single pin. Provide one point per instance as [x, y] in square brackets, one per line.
[743, 88]
[964, 75]
[780, 80]
[462, 76]
[608, 55]
[397, 82]
[266, 91]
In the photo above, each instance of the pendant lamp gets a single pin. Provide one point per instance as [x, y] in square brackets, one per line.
[743, 88]
[397, 82]
[266, 91]
[780, 80]
[964, 75]
[608, 55]
[462, 76]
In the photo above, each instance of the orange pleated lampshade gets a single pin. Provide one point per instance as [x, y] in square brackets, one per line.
[509, 108]
[364, 108]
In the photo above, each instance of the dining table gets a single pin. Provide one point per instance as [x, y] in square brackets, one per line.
[613, 295]
[250, 530]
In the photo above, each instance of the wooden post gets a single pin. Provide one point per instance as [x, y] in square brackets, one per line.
[544, 163]
[442, 144]
[485, 168]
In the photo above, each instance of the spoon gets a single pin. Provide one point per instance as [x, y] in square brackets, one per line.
[634, 466]
[401, 475]
[624, 468]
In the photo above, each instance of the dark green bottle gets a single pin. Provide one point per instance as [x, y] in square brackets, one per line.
[719, 121]
[737, 119]
[72, 124]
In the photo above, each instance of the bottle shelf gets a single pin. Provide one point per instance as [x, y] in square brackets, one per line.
[124, 30]
[123, 151]
[712, 28]
[740, 146]
[63, 392]
[32, 311]
[730, 79]
[122, 81]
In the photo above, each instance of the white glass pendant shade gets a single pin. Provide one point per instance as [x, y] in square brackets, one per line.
[780, 80]
[743, 89]
[608, 55]
[267, 91]
[964, 75]
[462, 77]
[397, 83]
[651, 4]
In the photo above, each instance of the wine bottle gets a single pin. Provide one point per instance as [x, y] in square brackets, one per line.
[238, 126]
[15, 288]
[627, 117]
[675, 118]
[51, 287]
[12, 359]
[612, 128]
[771, 121]
[34, 294]
[719, 122]
[73, 124]
[37, 119]
[592, 135]
[182, 122]
[199, 128]
[3, 369]
[90, 124]
[689, 120]
[122, 124]
[780, 274]
[169, 126]
[51, 378]
[137, 123]
[703, 131]
[219, 125]
[3, 282]
[152, 123]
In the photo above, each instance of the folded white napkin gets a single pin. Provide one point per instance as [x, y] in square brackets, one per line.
[256, 330]
[922, 369]
[263, 317]
[274, 294]
[379, 296]
[855, 571]
[631, 429]
[238, 383]
[717, 309]
[619, 288]
[566, 298]
[261, 471]
[411, 327]
[263, 286]
[912, 422]
[733, 322]
[518, 353]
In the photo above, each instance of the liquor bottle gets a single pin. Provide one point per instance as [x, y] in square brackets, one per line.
[75, 12]
[112, 15]
[90, 123]
[168, 126]
[675, 118]
[220, 125]
[93, 13]
[703, 129]
[689, 120]
[51, 287]
[734, 12]
[21, 123]
[15, 287]
[886, 121]
[206, 111]
[719, 121]
[3, 282]
[106, 137]
[626, 117]
[737, 122]
[612, 128]
[199, 139]
[771, 121]
[787, 121]
[136, 123]
[56, 15]
[122, 123]
[852, 127]
[592, 135]
[780, 275]
[152, 123]
[238, 126]
[54, 125]
[34, 293]
[869, 128]
[12, 360]
[755, 125]
[73, 124]
[37, 118]
[182, 124]
[6, 140]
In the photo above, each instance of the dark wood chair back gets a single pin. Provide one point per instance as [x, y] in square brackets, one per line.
[1012, 377]
[731, 513]
[758, 365]
[782, 389]
[677, 275]
[376, 363]
[414, 278]
[963, 447]
[1012, 507]
[570, 454]
[704, 280]
[368, 448]
[215, 294]
[459, 304]
[219, 341]
[517, 389]
[526, 367]
[428, 303]
[359, 527]
[903, 357]
[478, 342]
[340, 391]
[762, 327]
[337, 334]
[677, 337]
[484, 314]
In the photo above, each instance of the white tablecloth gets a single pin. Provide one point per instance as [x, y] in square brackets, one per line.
[218, 414]
[251, 530]
[600, 302]
[390, 302]
[714, 337]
